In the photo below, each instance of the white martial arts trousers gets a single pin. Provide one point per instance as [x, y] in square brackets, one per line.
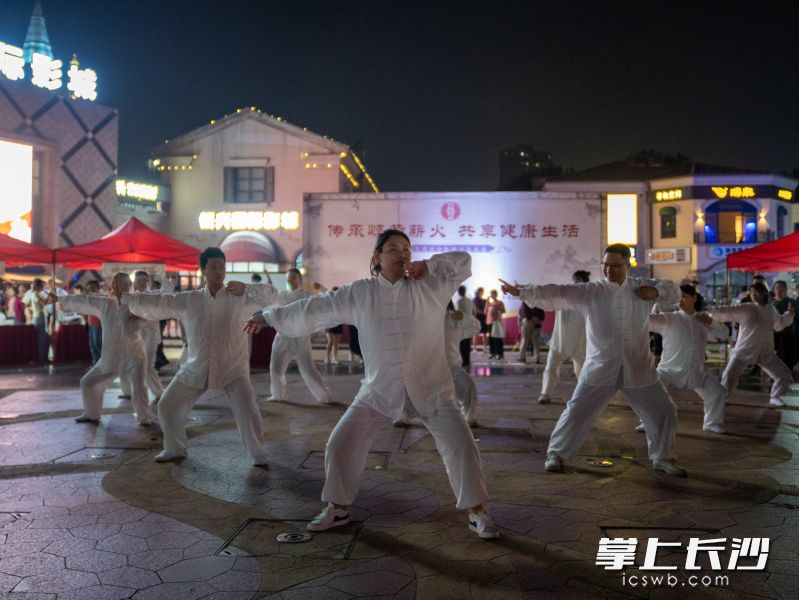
[152, 380]
[178, 400]
[465, 393]
[552, 370]
[771, 364]
[283, 350]
[349, 443]
[94, 383]
[713, 394]
[652, 404]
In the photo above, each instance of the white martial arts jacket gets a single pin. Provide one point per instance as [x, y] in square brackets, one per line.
[218, 349]
[758, 324]
[617, 325]
[455, 331]
[400, 329]
[685, 339]
[121, 340]
[568, 334]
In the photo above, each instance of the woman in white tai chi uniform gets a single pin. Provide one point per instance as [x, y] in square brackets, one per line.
[567, 342]
[400, 318]
[758, 321]
[616, 311]
[122, 354]
[461, 326]
[685, 336]
[284, 348]
[218, 353]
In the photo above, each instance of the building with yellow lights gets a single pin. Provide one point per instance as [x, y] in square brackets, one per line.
[238, 182]
[684, 218]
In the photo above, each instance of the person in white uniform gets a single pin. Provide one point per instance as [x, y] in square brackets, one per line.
[685, 336]
[758, 320]
[150, 336]
[284, 348]
[567, 342]
[461, 326]
[122, 353]
[218, 353]
[616, 311]
[400, 318]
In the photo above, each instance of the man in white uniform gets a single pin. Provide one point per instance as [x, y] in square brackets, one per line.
[685, 336]
[567, 342]
[758, 321]
[616, 311]
[121, 355]
[150, 336]
[399, 314]
[284, 348]
[218, 353]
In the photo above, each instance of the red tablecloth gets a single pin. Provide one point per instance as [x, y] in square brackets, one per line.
[261, 352]
[72, 344]
[18, 345]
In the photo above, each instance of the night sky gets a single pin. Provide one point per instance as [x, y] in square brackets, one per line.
[431, 91]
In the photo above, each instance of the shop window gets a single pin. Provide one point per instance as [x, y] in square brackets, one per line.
[730, 222]
[668, 222]
[247, 185]
[782, 219]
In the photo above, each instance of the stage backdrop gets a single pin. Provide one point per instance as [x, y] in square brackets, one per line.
[540, 237]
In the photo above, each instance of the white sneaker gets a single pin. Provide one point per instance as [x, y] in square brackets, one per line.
[553, 463]
[334, 361]
[260, 460]
[776, 402]
[329, 517]
[714, 429]
[640, 428]
[165, 456]
[273, 399]
[544, 399]
[482, 525]
[668, 467]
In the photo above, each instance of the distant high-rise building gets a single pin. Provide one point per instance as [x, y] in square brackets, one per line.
[525, 168]
[37, 39]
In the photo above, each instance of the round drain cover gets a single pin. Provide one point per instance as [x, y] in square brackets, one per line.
[98, 455]
[293, 538]
[600, 463]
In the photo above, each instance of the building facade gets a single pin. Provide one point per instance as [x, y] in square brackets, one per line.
[238, 183]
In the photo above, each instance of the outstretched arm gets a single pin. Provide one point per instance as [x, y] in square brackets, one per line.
[156, 306]
[84, 305]
[308, 315]
[551, 296]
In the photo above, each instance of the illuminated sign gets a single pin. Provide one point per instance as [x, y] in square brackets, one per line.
[16, 190]
[140, 191]
[785, 194]
[718, 252]
[734, 192]
[253, 220]
[46, 72]
[623, 219]
[663, 195]
[668, 256]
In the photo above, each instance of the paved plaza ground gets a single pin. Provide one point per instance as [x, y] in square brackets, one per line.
[86, 514]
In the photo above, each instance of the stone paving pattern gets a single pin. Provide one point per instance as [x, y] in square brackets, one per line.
[86, 514]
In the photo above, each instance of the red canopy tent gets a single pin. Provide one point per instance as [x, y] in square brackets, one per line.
[131, 242]
[16, 253]
[781, 254]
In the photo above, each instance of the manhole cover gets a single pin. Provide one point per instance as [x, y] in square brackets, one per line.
[601, 463]
[293, 538]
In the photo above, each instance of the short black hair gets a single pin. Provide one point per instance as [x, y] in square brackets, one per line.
[622, 249]
[583, 276]
[137, 273]
[759, 287]
[462, 290]
[256, 278]
[209, 253]
[294, 270]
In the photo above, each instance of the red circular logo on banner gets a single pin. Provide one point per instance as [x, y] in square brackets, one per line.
[450, 211]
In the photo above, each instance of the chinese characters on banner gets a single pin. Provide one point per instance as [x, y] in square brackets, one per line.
[420, 231]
